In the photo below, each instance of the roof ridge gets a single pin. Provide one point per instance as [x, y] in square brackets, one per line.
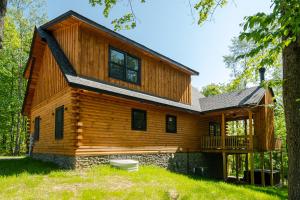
[119, 36]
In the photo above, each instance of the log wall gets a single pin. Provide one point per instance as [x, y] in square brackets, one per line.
[107, 127]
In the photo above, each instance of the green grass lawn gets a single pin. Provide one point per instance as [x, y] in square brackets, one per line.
[25, 178]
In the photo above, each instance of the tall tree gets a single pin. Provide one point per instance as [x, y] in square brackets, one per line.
[272, 33]
[3, 5]
[21, 17]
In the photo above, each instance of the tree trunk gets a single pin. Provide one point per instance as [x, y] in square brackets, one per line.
[3, 4]
[291, 96]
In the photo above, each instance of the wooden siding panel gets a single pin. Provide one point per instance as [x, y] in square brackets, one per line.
[50, 79]
[157, 78]
[68, 39]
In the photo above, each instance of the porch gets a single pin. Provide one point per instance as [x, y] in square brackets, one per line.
[234, 143]
[242, 132]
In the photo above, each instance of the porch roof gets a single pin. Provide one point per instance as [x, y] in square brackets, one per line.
[242, 98]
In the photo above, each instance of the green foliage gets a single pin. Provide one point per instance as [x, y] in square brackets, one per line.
[212, 89]
[127, 21]
[28, 179]
[206, 8]
[22, 16]
[272, 32]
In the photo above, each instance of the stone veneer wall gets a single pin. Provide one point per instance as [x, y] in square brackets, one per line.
[204, 164]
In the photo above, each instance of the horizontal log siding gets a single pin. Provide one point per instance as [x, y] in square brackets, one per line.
[46, 111]
[157, 78]
[107, 125]
[52, 91]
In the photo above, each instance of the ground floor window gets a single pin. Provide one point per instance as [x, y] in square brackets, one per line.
[37, 124]
[138, 120]
[59, 123]
[171, 124]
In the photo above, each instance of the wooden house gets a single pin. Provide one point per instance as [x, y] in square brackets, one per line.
[94, 95]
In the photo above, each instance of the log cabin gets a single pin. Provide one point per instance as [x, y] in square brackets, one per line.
[94, 95]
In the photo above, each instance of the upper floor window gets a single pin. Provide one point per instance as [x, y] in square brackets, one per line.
[214, 129]
[123, 66]
[59, 123]
[37, 123]
[171, 124]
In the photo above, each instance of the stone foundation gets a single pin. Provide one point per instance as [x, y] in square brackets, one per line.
[203, 164]
[66, 162]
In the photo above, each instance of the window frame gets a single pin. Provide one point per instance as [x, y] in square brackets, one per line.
[167, 121]
[124, 77]
[37, 135]
[59, 136]
[133, 121]
[215, 125]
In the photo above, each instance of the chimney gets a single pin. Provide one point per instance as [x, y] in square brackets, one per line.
[262, 74]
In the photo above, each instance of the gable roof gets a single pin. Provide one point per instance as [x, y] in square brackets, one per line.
[81, 18]
[199, 103]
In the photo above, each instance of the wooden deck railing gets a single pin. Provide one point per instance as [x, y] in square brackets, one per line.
[231, 142]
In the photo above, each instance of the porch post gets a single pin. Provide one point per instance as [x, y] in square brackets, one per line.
[271, 167]
[223, 148]
[224, 166]
[262, 166]
[251, 148]
[223, 131]
[237, 160]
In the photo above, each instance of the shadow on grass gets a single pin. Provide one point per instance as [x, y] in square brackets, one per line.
[16, 166]
[281, 192]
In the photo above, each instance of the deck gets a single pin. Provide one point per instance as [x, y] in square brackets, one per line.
[233, 143]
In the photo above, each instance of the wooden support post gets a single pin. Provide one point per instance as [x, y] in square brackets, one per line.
[250, 131]
[224, 166]
[281, 168]
[251, 147]
[223, 131]
[237, 167]
[246, 162]
[262, 167]
[245, 127]
[271, 168]
[252, 167]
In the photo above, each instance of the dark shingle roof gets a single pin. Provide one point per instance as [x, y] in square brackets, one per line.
[246, 97]
[58, 54]
[104, 87]
[199, 103]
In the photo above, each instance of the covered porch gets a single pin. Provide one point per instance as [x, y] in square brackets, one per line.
[242, 133]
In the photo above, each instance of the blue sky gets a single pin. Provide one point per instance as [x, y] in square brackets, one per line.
[168, 27]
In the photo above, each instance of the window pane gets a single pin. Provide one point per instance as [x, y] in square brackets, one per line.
[37, 128]
[59, 122]
[139, 120]
[116, 71]
[132, 76]
[117, 57]
[132, 63]
[171, 126]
